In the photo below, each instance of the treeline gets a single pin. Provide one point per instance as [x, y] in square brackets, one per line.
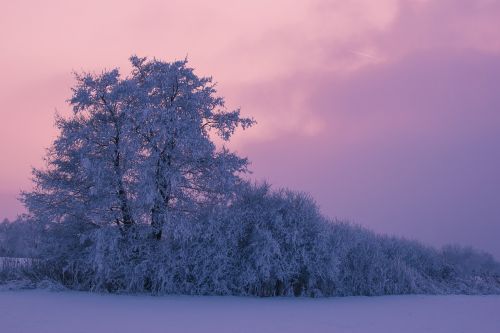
[265, 243]
[135, 196]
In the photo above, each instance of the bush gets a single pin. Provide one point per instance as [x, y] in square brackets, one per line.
[264, 243]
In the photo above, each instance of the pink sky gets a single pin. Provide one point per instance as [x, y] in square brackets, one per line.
[387, 111]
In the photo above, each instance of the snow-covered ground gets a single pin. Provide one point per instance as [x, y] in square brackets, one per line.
[53, 312]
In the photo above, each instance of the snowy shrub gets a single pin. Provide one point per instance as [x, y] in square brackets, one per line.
[264, 243]
[371, 264]
[468, 262]
[19, 238]
[283, 244]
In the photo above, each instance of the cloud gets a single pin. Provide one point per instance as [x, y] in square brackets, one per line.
[406, 124]
[408, 147]
[386, 111]
[355, 36]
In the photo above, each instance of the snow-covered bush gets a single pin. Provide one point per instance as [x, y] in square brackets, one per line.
[282, 243]
[379, 265]
[264, 243]
[468, 262]
[19, 238]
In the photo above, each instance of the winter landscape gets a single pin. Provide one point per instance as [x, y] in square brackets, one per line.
[355, 190]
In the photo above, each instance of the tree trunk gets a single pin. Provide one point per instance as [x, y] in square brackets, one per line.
[163, 195]
[127, 219]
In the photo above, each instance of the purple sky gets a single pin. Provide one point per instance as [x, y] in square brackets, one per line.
[387, 111]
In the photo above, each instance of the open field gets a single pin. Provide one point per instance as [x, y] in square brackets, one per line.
[52, 312]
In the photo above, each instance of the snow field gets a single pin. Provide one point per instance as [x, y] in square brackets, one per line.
[53, 312]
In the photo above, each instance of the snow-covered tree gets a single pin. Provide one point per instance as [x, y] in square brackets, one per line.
[90, 166]
[175, 112]
[138, 149]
